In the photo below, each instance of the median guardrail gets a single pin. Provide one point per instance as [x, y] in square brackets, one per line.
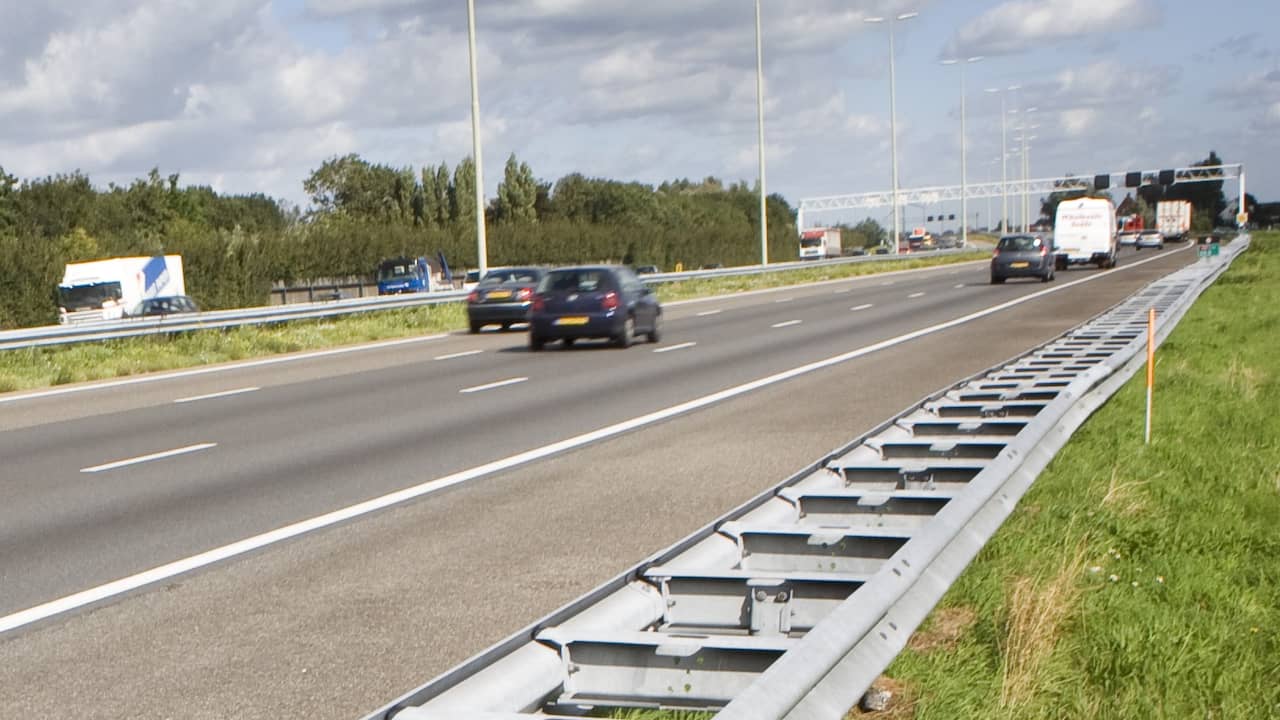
[136, 327]
[791, 605]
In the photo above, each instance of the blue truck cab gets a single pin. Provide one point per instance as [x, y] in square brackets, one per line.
[403, 275]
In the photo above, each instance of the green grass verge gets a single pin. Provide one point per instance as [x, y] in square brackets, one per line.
[59, 365]
[1137, 581]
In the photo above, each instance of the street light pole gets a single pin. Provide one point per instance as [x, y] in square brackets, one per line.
[764, 217]
[1026, 168]
[964, 165]
[482, 251]
[893, 124]
[1004, 158]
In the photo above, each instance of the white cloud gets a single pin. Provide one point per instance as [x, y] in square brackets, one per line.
[1079, 122]
[1022, 25]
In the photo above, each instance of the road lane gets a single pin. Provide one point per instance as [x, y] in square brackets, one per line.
[372, 607]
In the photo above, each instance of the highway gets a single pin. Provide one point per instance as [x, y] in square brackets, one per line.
[331, 618]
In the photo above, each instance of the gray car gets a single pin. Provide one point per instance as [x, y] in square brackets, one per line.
[1022, 256]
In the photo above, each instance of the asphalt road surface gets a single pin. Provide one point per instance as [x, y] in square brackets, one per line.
[106, 482]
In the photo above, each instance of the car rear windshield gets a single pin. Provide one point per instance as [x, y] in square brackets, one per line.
[576, 281]
[515, 275]
[1020, 242]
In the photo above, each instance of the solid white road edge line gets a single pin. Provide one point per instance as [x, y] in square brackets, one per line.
[209, 557]
[148, 458]
[224, 393]
[492, 385]
[465, 353]
[220, 368]
[670, 348]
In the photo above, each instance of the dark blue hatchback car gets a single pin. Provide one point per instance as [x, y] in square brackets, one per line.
[596, 301]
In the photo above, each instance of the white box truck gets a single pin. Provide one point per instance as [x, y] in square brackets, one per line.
[1173, 219]
[820, 244]
[1084, 232]
[107, 289]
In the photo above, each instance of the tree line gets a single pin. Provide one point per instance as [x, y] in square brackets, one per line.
[235, 247]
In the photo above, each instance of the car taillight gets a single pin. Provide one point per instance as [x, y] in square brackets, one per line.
[995, 253]
[610, 301]
[524, 294]
[1044, 250]
[539, 303]
[474, 296]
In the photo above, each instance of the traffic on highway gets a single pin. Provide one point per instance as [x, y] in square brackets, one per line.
[196, 487]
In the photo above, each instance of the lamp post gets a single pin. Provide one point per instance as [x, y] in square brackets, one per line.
[1004, 158]
[764, 217]
[1026, 167]
[893, 122]
[482, 251]
[964, 169]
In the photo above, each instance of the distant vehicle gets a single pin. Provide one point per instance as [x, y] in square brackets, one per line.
[1022, 256]
[1151, 239]
[882, 250]
[403, 275]
[104, 289]
[820, 244]
[854, 251]
[503, 297]
[604, 301]
[919, 240]
[1129, 223]
[647, 270]
[166, 305]
[1173, 219]
[1085, 232]
[1127, 239]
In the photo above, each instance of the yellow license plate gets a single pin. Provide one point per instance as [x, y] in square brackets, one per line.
[499, 294]
[1019, 265]
[571, 321]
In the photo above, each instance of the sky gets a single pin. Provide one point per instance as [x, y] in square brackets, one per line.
[253, 95]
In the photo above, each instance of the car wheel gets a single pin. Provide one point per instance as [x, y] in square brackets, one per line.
[568, 342]
[656, 333]
[997, 280]
[475, 327]
[506, 326]
[536, 342]
[623, 339]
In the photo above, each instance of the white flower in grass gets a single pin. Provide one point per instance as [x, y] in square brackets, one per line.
[1135, 583]
[1095, 569]
[1113, 578]
[1160, 579]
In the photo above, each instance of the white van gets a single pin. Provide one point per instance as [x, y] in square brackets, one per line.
[1084, 232]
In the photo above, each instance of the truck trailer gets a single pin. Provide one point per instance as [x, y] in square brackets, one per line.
[1173, 219]
[820, 244]
[109, 289]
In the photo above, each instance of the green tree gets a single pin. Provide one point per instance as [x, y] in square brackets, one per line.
[873, 231]
[517, 193]
[462, 192]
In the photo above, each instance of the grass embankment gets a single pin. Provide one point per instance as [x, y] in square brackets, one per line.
[1136, 581]
[60, 365]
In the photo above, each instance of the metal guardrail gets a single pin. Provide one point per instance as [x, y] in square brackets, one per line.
[96, 332]
[791, 605]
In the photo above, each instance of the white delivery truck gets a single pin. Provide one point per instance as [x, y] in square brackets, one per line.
[1084, 232]
[107, 289]
[1173, 219]
[820, 244]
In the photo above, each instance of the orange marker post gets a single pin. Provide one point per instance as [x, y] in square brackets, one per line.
[1151, 368]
